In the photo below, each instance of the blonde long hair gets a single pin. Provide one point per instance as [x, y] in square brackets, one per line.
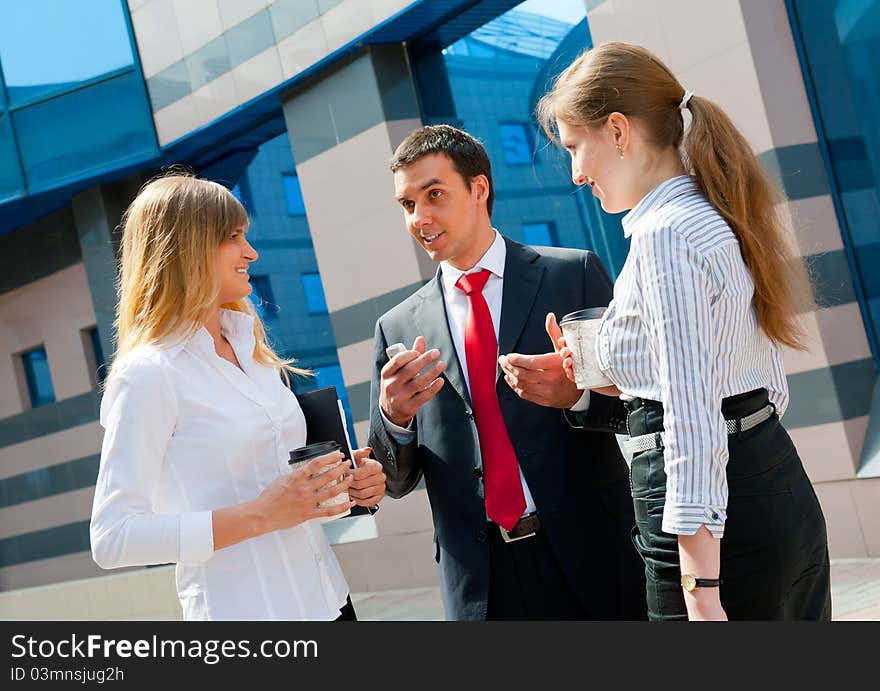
[624, 78]
[167, 282]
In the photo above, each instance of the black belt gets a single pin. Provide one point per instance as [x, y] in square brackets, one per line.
[527, 526]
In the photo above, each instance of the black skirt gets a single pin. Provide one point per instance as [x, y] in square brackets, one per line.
[774, 553]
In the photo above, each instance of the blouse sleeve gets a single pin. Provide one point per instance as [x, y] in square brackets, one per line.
[676, 283]
[139, 412]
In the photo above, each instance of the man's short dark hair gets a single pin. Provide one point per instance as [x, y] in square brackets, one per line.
[467, 154]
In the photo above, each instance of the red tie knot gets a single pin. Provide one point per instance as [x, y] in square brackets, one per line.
[473, 283]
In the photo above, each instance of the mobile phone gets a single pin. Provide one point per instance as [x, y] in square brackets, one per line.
[394, 349]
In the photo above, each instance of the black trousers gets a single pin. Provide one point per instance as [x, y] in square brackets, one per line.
[347, 612]
[527, 583]
[774, 553]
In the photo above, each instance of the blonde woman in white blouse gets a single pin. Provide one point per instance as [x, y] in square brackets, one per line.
[199, 424]
[727, 522]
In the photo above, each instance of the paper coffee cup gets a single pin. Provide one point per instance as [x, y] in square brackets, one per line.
[307, 453]
[580, 329]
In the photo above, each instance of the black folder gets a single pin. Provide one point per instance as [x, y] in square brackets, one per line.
[325, 421]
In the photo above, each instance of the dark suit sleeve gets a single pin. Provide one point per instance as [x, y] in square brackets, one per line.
[605, 413]
[400, 462]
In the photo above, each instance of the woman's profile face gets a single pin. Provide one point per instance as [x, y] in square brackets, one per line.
[594, 161]
[233, 259]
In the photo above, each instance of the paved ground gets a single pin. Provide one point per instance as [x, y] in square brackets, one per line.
[855, 594]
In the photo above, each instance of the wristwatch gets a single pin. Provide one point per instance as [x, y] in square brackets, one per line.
[689, 582]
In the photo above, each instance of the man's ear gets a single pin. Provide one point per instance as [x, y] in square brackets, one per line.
[480, 187]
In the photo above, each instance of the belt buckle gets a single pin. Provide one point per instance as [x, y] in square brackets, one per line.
[506, 536]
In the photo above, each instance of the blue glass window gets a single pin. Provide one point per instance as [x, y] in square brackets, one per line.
[51, 46]
[67, 136]
[262, 297]
[541, 234]
[37, 376]
[10, 174]
[294, 196]
[841, 42]
[515, 143]
[314, 292]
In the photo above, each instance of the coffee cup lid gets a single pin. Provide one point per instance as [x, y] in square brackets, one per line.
[583, 315]
[306, 453]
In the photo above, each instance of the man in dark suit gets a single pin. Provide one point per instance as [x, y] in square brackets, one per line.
[532, 517]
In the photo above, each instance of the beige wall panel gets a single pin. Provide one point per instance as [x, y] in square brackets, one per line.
[843, 333]
[409, 514]
[779, 71]
[845, 538]
[866, 494]
[389, 563]
[51, 311]
[345, 22]
[51, 449]
[856, 431]
[49, 512]
[156, 34]
[176, 120]
[362, 432]
[302, 49]
[815, 225]
[215, 98]
[198, 22]
[813, 358]
[257, 75]
[70, 567]
[695, 31]
[362, 232]
[356, 362]
[824, 450]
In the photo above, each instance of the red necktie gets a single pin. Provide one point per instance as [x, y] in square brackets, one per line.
[505, 502]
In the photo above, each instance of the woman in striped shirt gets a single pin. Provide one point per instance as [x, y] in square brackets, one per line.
[708, 295]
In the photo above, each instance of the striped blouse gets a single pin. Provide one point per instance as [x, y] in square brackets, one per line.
[682, 329]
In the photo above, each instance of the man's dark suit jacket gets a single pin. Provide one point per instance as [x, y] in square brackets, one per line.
[577, 477]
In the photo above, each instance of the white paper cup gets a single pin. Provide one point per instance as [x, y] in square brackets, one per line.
[307, 453]
[580, 329]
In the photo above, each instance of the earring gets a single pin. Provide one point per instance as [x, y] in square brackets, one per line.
[619, 151]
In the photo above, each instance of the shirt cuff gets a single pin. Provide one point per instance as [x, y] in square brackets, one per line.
[402, 435]
[686, 519]
[196, 537]
[582, 404]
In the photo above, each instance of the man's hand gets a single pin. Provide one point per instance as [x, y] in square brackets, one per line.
[368, 485]
[408, 381]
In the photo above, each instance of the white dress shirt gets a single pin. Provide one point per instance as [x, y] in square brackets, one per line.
[187, 432]
[457, 309]
[682, 330]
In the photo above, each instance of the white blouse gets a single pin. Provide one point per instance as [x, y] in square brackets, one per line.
[682, 329]
[187, 432]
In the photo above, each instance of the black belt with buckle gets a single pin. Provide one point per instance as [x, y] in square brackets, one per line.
[525, 527]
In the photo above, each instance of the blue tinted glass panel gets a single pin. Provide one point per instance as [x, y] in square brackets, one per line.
[314, 292]
[538, 234]
[841, 41]
[262, 297]
[39, 381]
[48, 46]
[98, 354]
[515, 143]
[100, 125]
[292, 192]
[10, 173]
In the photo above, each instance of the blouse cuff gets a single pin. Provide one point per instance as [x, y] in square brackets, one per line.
[686, 519]
[196, 537]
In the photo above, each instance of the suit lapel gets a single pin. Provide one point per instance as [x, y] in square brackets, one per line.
[522, 278]
[433, 324]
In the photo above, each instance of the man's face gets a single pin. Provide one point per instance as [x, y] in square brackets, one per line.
[445, 217]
